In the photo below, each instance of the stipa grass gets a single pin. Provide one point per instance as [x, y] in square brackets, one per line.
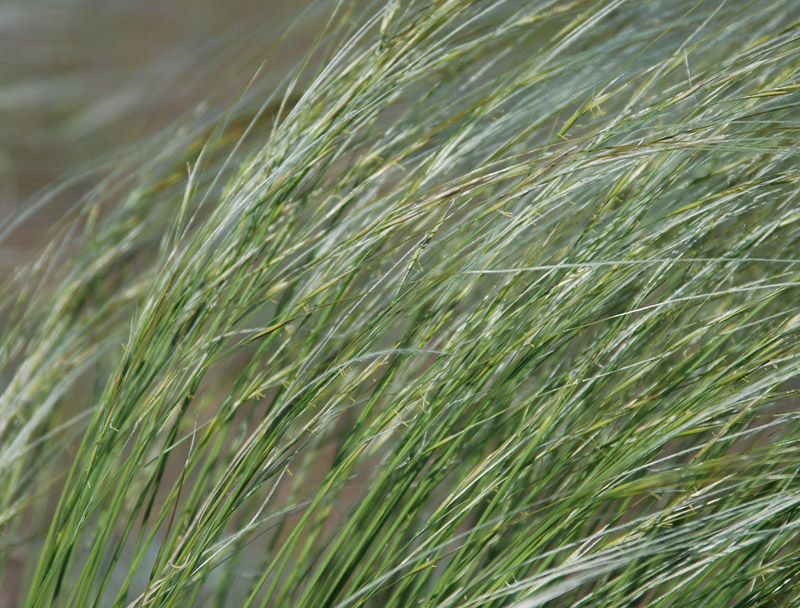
[498, 307]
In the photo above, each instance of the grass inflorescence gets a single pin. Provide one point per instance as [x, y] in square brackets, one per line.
[487, 304]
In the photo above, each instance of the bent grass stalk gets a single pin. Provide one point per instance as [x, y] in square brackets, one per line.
[494, 305]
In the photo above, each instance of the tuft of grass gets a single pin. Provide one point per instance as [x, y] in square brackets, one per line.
[487, 304]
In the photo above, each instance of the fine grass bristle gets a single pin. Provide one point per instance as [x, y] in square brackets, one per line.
[485, 304]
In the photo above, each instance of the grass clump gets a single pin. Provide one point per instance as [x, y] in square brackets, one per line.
[489, 304]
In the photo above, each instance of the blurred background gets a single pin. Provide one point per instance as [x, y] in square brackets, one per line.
[83, 80]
